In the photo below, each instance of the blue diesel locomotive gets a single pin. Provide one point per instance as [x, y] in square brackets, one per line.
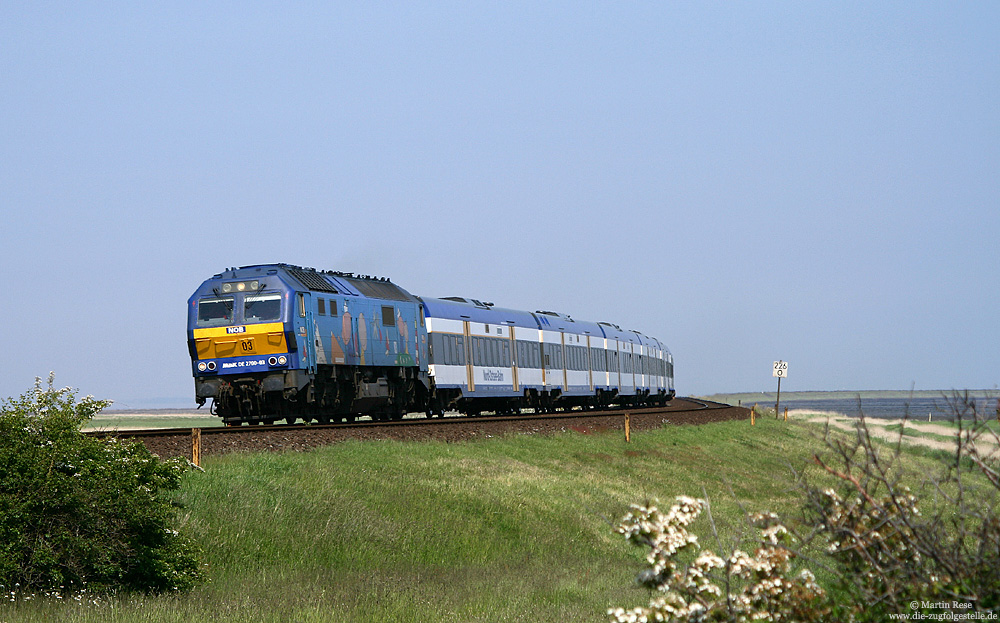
[275, 341]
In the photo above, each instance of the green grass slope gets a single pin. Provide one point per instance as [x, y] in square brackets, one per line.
[512, 529]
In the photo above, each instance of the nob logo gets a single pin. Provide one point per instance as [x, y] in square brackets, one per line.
[236, 330]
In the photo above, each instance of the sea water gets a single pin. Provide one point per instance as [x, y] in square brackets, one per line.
[914, 408]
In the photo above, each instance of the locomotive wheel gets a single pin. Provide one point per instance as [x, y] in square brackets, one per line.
[290, 420]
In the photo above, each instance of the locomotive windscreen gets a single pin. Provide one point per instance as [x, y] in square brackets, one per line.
[262, 308]
[215, 311]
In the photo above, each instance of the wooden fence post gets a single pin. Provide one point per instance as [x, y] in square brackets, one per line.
[628, 431]
[196, 446]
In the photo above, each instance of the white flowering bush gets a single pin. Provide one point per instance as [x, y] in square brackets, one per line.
[889, 550]
[884, 553]
[694, 585]
[80, 514]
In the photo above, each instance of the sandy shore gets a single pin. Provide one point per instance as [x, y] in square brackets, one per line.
[877, 427]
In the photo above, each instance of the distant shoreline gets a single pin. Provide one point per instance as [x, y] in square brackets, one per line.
[849, 395]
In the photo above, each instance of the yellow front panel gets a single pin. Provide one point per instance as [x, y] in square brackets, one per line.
[255, 339]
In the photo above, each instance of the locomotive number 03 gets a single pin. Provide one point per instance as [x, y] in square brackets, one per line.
[247, 345]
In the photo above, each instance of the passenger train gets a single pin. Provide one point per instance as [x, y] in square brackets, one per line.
[276, 341]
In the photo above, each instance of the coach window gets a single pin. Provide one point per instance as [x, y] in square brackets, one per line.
[442, 350]
[215, 311]
[321, 307]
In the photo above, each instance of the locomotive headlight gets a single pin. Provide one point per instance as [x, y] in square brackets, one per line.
[227, 287]
[254, 285]
[241, 286]
[211, 366]
[202, 366]
[282, 360]
[272, 361]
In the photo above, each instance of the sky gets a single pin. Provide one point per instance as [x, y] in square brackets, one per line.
[746, 181]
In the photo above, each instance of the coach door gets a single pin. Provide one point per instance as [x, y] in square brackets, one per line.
[514, 363]
[562, 337]
[469, 372]
[590, 366]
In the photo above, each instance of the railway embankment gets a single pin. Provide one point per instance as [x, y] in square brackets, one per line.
[216, 441]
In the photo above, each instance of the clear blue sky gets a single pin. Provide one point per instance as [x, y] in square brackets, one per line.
[816, 182]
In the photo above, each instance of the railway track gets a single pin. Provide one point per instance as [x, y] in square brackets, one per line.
[218, 440]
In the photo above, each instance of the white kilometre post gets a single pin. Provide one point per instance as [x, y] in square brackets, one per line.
[780, 371]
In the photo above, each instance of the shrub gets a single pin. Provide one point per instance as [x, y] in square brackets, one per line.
[78, 511]
[885, 556]
[891, 550]
[740, 587]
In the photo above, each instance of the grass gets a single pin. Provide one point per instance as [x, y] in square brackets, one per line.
[511, 529]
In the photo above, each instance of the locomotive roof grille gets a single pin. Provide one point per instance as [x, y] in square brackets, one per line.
[379, 289]
[313, 280]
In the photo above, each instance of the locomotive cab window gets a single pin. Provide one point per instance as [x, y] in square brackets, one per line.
[215, 311]
[262, 308]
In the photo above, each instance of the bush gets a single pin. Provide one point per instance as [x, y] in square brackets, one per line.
[891, 550]
[82, 513]
[884, 555]
[740, 587]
